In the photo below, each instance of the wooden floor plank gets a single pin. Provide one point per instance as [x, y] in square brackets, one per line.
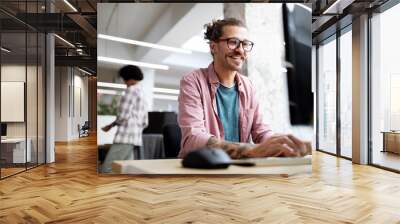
[71, 191]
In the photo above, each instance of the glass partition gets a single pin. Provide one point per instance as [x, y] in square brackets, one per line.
[31, 97]
[385, 89]
[41, 96]
[346, 93]
[23, 90]
[14, 152]
[327, 95]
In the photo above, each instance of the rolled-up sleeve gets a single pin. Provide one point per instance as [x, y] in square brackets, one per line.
[125, 107]
[145, 114]
[191, 116]
[259, 130]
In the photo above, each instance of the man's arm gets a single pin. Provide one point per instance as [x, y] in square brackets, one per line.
[235, 150]
[145, 112]
[125, 106]
[124, 109]
[191, 116]
[277, 145]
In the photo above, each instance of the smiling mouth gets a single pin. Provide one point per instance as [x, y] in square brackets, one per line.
[236, 57]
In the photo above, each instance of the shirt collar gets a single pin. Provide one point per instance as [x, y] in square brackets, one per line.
[213, 78]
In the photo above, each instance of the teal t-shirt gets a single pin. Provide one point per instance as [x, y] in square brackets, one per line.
[228, 111]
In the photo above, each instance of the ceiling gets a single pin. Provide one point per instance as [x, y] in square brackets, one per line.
[169, 24]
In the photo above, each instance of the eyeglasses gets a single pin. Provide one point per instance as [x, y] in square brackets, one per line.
[234, 43]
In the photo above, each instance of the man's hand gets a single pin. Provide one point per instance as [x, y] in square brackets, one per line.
[279, 145]
[107, 128]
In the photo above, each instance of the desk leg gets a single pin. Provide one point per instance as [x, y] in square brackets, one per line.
[384, 143]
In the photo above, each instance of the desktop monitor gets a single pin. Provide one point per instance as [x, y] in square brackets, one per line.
[297, 34]
[3, 129]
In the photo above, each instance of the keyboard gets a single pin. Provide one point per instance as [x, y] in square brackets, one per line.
[277, 161]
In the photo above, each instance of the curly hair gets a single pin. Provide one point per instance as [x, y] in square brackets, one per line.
[131, 72]
[214, 29]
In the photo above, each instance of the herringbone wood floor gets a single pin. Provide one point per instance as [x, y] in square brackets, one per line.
[70, 191]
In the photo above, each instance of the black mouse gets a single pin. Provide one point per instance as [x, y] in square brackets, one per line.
[207, 158]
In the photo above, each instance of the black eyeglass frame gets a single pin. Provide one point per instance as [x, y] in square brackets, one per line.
[239, 42]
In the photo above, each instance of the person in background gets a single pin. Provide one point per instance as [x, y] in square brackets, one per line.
[132, 118]
[218, 107]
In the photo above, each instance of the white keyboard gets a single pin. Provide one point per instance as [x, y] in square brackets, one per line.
[277, 161]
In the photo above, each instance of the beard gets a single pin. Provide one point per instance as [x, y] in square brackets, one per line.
[234, 61]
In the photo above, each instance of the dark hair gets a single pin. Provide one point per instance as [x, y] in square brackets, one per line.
[214, 29]
[130, 72]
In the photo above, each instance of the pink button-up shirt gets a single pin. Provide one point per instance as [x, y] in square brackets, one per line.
[198, 115]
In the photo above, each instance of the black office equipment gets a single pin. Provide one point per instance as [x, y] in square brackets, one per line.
[206, 158]
[157, 121]
[3, 129]
[297, 34]
[172, 140]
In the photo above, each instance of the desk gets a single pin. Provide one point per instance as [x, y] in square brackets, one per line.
[391, 141]
[13, 150]
[153, 147]
[173, 166]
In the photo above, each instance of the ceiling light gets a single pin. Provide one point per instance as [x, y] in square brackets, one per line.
[128, 62]
[64, 40]
[165, 90]
[5, 50]
[108, 92]
[119, 93]
[111, 85]
[144, 44]
[123, 86]
[165, 97]
[331, 7]
[84, 71]
[70, 5]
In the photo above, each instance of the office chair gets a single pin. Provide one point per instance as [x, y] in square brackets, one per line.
[172, 140]
[84, 130]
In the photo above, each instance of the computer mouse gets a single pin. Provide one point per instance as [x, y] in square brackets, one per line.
[207, 158]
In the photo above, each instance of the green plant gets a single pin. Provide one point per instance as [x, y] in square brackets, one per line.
[108, 109]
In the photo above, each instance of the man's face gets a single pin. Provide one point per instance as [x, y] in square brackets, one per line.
[230, 59]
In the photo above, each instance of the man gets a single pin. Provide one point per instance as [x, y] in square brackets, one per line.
[218, 106]
[131, 120]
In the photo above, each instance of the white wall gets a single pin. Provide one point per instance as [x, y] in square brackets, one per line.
[17, 73]
[33, 126]
[105, 137]
[69, 85]
[165, 105]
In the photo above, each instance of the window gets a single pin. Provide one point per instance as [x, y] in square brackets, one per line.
[346, 92]
[385, 89]
[327, 95]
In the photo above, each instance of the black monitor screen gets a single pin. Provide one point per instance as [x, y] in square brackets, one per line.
[3, 129]
[297, 32]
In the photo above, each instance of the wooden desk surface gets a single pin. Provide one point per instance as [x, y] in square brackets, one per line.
[14, 140]
[173, 166]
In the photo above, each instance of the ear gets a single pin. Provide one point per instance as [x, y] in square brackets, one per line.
[213, 46]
